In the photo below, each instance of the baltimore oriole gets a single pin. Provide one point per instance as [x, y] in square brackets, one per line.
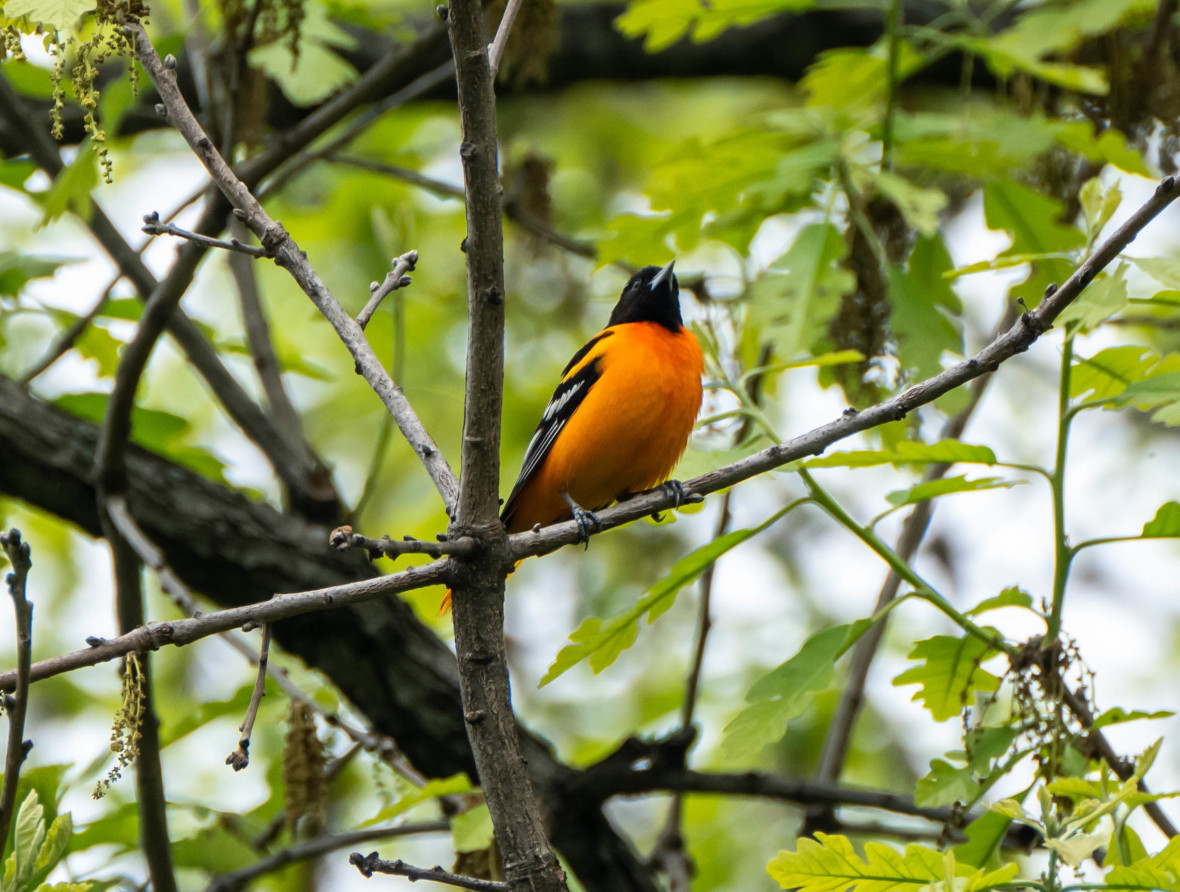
[619, 420]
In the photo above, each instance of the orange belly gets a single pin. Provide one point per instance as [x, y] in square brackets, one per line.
[628, 433]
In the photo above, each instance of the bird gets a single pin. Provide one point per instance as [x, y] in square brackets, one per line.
[620, 418]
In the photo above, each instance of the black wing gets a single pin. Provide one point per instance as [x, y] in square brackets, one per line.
[562, 405]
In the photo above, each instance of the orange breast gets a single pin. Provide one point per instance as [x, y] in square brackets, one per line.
[630, 430]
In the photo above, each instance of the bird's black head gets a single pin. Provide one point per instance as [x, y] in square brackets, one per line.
[651, 295]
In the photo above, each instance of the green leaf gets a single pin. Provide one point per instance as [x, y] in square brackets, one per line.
[602, 640]
[921, 207]
[830, 864]
[100, 345]
[1159, 392]
[17, 270]
[984, 836]
[53, 848]
[28, 835]
[1165, 524]
[931, 489]
[1032, 220]
[318, 71]
[71, 188]
[1158, 871]
[1078, 848]
[925, 308]
[213, 849]
[51, 14]
[455, 785]
[782, 694]
[471, 831]
[1013, 596]
[1118, 715]
[194, 719]
[663, 22]
[908, 452]
[802, 290]
[1099, 205]
[1102, 298]
[119, 827]
[945, 784]
[1109, 372]
[1165, 270]
[950, 673]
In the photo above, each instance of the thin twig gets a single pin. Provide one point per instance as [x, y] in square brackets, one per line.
[258, 337]
[16, 705]
[313, 848]
[69, 337]
[496, 50]
[240, 757]
[528, 544]
[287, 254]
[511, 209]
[913, 530]
[153, 226]
[292, 462]
[354, 128]
[155, 635]
[372, 863]
[150, 796]
[396, 278]
[343, 538]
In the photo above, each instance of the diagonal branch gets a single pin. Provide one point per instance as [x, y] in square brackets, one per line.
[287, 255]
[528, 544]
[294, 463]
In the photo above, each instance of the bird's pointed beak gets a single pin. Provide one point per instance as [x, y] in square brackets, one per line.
[662, 275]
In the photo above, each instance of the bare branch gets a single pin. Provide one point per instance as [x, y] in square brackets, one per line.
[293, 462]
[17, 704]
[343, 538]
[511, 208]
[1017, 339]
[396, 278]
[478, 582]
[288, 255]
[496, 50]
[354, 128]
[69, 337]
[149, 776]
[153, 226]
[240, 757]
[254, 322]
[314, 848]
[913, 530]
[155, 635]
[371, 864]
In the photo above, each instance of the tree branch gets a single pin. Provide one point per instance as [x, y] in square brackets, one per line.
[287, 255]
[301, 472]
[314, 848]
[371, 864]
[478, 582]
[16, 705]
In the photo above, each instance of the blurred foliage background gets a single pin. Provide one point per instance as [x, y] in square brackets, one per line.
[856, 194]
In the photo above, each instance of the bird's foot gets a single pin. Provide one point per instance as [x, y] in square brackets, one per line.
[587, 521]
[675, 490]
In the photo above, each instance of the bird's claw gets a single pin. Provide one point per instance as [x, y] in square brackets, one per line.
[674, 490]
[588, 524]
